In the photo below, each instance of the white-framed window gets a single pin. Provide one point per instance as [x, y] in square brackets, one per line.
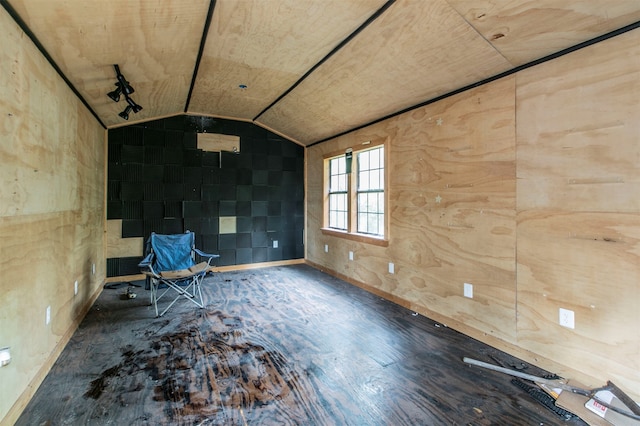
[356, 193]
[338, 194]
[370, 191]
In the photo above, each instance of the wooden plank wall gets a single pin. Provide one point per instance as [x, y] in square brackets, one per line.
[527, 188]
[52, 157]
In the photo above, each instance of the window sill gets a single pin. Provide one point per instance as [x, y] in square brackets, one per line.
[361, 238]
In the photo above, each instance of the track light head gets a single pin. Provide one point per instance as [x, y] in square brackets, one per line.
[134, 106]
[125, 114]
[115, 95]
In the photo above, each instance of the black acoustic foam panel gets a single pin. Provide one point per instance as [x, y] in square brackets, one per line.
[158, 181]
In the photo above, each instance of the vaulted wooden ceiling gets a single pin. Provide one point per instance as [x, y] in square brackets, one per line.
[305, 69]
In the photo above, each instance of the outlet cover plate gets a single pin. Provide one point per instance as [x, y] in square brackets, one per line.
[468, 290]
[566, 318]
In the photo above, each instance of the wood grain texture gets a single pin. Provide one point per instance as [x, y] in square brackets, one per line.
[285, 345]
[396, 62]
[413, 52]
[577, 139]
[578, 213]
[559, 24]
[267, 46]
[570, 218]
[52, 155]
[155, 44]
[122, 247]
[588, 263]
[216, 142]
[463, 151]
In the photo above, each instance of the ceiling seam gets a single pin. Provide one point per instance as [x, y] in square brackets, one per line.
[203, 40]
[519, 68]
[23, 26]
[335, 50]
[477, 31]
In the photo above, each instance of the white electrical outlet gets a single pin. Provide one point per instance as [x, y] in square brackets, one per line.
[566, 318]
[93, 269]
[468, 290]
[75, 287]
[275, 243]
[350, 255]
[326, 248]
[47, 319]
[392, 268]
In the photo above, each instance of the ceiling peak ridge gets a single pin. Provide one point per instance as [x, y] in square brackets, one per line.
[335, 50]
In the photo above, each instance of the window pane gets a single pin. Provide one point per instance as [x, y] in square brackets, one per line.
[363, 160]
[371, 213]
[374, 158]
[342, 185]
[363, 181]
[374, 178]
[338, 211]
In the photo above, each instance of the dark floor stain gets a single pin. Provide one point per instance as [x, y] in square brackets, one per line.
[97, 386]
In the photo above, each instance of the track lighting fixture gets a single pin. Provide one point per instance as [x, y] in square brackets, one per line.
[123, 87]
[125, 114]
[134, 106]
[115, 95]
[122, 82]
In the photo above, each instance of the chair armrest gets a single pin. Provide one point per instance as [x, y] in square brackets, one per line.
[146, 262]
[203, 254]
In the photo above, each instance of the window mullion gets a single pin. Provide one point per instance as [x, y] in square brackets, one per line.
[353, 198]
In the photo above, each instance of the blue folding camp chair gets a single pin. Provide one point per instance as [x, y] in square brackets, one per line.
[171, 265]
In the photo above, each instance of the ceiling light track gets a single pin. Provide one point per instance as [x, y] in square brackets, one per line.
[124, 88]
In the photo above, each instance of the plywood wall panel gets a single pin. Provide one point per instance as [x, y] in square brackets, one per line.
[122, 247]
[588, 263]
[452, 209]
[528, 191]
[575, 147]
[51, 214]
[578, 215]
[36, 147]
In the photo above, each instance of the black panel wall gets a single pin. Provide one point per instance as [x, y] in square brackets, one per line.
[158, 181]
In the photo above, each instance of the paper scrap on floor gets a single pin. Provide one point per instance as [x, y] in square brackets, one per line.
[611, 416]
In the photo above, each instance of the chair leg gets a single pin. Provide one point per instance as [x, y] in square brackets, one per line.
[190, 291]
[154, 296]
